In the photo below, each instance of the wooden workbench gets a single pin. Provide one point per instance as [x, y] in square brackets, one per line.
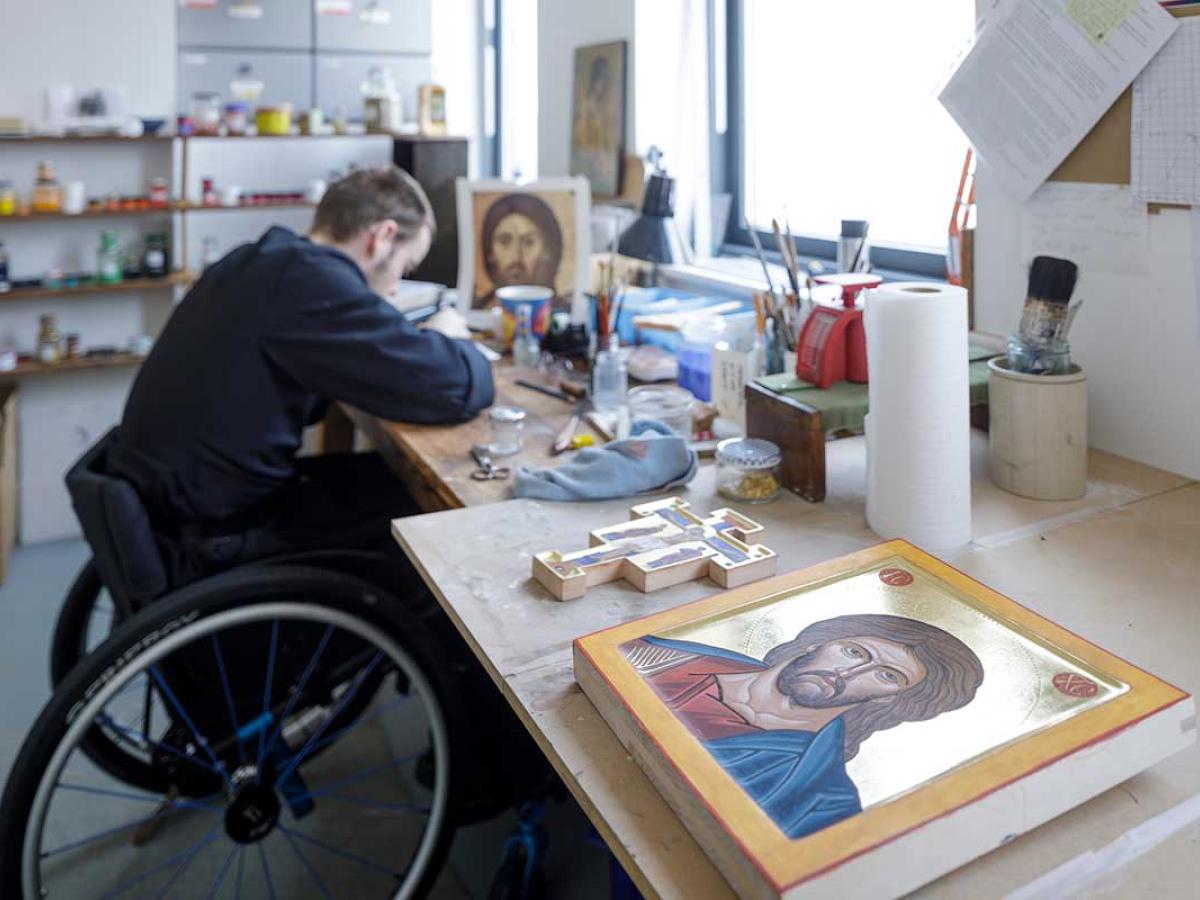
[435, 463]
[1119, 566]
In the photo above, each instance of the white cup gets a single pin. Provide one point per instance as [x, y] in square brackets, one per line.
[231, 196]
[316, 190]
[74, 198]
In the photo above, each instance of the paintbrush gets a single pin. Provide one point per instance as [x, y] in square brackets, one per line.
[788, 262]
[861, 244]
[761, 256]
[1051, 283]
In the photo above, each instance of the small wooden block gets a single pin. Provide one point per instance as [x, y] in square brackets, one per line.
[663, 544]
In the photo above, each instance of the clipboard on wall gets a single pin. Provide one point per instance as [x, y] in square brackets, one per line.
[1104, 155]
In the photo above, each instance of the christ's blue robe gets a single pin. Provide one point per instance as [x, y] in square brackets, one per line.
[798, 778]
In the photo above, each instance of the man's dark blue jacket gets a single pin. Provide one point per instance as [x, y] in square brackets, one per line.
[256, 351]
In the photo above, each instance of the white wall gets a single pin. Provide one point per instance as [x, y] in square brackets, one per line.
[1137, 338]
[564, 25]
[88, 44]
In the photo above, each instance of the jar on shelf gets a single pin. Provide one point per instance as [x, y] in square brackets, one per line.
[154, 259]
[49, 343]
[47, 192]
[748, 470]
[160, 193]
[237, 118]
[206, 113]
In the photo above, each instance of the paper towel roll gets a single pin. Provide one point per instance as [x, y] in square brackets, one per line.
[918, 431]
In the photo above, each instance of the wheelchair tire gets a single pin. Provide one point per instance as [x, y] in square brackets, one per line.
[68, 645]
[158, 635]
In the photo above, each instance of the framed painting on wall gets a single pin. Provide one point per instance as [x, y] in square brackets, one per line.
[862, 727]
[524, 234]
[598, 116]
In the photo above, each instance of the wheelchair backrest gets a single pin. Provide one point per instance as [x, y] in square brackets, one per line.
[117, 527]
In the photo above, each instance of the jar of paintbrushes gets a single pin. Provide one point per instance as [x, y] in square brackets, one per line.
[1038, 397]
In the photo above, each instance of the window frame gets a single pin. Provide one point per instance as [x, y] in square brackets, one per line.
[728, 157]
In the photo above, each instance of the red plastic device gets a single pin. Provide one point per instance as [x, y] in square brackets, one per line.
[833, 344]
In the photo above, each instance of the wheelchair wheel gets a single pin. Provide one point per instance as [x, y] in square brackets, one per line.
[302, 749]
[86, 619]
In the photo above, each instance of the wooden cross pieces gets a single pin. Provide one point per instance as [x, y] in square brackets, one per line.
[664, 543]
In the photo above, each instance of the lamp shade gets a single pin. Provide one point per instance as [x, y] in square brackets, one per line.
[655, 237]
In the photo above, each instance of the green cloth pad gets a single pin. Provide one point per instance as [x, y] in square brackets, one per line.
[844, 405]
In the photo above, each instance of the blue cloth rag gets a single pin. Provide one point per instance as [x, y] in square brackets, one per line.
[653, 457]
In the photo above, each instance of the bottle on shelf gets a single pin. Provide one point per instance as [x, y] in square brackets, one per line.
[154, 259]
[610, 378]
[49, 343]
[108, 259]
[383, 110]
[47, 192]
[8, 198]
[526, 350]
[5, 283]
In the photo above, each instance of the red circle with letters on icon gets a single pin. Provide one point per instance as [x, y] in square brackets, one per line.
[895, 577]
[1075, 685]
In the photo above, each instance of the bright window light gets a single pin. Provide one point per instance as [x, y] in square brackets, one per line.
[842, 119]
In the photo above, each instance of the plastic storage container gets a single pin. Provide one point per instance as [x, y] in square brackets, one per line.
[748, 470]
[700, 335]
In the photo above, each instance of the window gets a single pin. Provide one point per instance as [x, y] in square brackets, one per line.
[837, 117]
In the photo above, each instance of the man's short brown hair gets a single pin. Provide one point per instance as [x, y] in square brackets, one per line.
[367, 196]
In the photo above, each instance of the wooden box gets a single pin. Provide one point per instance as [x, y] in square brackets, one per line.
[862, 727]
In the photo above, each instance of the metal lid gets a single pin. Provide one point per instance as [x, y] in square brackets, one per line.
[749, 453]
[507, 414]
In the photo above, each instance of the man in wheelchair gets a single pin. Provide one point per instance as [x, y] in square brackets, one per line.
[257, 350]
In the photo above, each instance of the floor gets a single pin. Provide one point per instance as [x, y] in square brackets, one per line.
[577, 866]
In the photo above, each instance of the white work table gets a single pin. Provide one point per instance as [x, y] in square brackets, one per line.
[1120, 566]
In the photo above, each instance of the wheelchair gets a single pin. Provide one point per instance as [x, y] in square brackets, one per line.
[279, 729]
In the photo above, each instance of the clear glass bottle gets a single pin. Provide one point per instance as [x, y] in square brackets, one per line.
[5, 283]
[507, 423]
[610, 378]
[526, 350]
[108, 259]
[49, 345]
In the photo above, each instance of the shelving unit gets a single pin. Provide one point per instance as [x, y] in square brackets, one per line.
[82, 364]
[135, 284]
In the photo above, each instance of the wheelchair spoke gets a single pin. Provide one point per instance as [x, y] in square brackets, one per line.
[187, 862]
[300, 686]
[344, 854]
[220, 879]
[166, 689]
[368, 773]
[262, 858]
[144, 798]
[387, 707]
[241, 870]
[159, 745]
[228, 696]
[185, 854]
[267, 695]
[100, 835]
[375, 804]
[307, 865]
[343, 701]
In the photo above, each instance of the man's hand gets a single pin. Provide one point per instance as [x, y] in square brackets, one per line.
[449, 322]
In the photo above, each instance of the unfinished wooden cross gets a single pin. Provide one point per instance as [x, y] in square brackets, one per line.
[664, 543]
